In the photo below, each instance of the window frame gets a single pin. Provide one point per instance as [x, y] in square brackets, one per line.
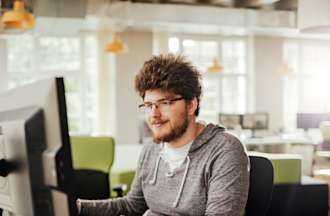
[219, 39]
[80, 75]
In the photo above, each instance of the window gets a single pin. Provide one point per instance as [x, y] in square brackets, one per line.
[31, 58]
[222, 92]
[306, 89]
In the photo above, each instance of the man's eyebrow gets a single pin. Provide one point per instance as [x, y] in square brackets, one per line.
[163, 99]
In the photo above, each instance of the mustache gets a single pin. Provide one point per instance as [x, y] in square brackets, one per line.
[157, 121]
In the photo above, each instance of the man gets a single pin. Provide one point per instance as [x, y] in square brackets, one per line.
[195, 169]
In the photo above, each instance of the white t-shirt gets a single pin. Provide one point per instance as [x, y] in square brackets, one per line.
[175, 156]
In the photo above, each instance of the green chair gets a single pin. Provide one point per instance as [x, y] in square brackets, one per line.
[92, 160]
[287, 167]
[123, 180]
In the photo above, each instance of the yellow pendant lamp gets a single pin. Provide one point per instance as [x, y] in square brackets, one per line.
[216, 67]
[18, 18]
[116, 45]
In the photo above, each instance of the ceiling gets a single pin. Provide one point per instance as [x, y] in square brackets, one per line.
[194, 16]
[252, 4]
[191, 16]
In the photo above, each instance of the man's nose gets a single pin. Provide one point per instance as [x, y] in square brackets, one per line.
[154, 110]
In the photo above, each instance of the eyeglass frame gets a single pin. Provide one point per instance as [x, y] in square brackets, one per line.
[157, 104]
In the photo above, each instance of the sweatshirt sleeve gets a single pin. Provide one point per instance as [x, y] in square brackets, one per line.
[132, 204]
[228, 182]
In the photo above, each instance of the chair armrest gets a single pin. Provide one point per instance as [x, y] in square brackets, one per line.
[120, 177]
[119, 190]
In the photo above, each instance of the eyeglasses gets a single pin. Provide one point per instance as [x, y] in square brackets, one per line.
[162, 105]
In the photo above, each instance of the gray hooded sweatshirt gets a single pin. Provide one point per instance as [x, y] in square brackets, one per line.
[213, 180]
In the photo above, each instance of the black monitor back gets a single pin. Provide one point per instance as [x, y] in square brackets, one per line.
[34, 136]
[311, 120]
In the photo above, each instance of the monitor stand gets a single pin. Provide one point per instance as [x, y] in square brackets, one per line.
[253, 133]
[306, 133]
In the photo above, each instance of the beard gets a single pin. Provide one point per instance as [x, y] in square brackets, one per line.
[175, 132]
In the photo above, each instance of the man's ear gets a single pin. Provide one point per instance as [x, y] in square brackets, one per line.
[192, 106]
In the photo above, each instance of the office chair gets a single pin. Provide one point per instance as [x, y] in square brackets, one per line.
[261, 186]
[325, 132]
[92, 160]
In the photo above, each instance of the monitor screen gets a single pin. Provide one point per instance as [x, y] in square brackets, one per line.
[311, 120]
[36, 174]
[255, 121]
[230, 121]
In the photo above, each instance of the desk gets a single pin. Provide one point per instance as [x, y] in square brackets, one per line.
[287, 143]
[280, 140]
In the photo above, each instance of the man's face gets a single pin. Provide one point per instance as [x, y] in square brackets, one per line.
[168, 119]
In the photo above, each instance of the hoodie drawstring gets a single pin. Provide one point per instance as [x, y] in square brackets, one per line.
[175, 204]
[153, 181]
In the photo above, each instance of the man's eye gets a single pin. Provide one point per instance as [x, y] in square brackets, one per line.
[147, 105]
[165, 103]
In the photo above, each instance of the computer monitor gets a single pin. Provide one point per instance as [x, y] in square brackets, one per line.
[311, 120]
[255, 121]
[36, 170]
[230, 121]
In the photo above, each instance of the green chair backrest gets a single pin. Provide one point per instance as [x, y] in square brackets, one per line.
[94, 153]
[287, 167]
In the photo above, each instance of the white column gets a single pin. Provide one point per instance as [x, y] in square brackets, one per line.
[268, 84]
[251, 64]
[140, 45]
[4, 77]
[160, 43]
[106, 83]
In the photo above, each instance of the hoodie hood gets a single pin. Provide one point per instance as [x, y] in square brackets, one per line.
[209, 131]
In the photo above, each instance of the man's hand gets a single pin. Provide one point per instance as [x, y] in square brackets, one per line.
[78, 205]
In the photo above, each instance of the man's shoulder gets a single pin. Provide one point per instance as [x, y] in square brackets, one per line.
[228, 147]
[227, 136]
[226, 140]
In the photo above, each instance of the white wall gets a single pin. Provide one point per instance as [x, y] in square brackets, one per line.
[126, 157]
[160, 42]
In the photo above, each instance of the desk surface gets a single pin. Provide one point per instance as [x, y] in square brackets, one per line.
[281, 140]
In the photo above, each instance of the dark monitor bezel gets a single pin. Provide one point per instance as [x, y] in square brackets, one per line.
[230, 115]
[310, 120]
[266, 123]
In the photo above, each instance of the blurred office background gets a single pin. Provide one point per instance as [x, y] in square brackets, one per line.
[266, 64]
[263, 78]
[265, 71]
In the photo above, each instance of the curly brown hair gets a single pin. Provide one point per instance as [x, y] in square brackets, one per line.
[170, 72]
